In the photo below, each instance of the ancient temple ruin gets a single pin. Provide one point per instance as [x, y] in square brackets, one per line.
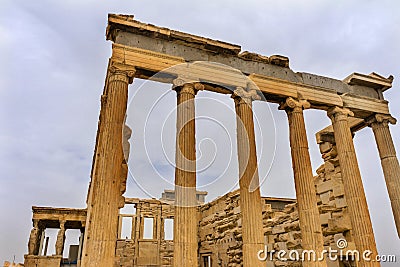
[233, 229]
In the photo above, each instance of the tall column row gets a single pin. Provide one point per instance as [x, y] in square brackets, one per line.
[110, 171]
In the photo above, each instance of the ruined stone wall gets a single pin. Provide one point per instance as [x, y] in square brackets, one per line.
[335, 219]
[220, 224]
[282, 232]
[220, 231]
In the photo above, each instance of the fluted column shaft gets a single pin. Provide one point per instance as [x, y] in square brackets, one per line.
[105, 189]
[354, 191]
[185, 223]
[389, 161]
[310, 224]
[250, 198]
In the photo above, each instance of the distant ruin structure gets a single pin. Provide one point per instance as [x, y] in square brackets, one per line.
[233, 229]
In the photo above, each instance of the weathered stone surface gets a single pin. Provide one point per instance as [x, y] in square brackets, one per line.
[250, 197]
[354, 190]
[185, 227]
[390, 163]
[231, 229]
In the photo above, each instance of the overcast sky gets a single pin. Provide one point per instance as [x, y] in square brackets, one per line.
[54, 58]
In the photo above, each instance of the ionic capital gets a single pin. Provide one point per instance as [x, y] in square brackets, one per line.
[121, 72]
[243, 96]
[382, 119]
[338, 113]
[295, 104]
[186, 86]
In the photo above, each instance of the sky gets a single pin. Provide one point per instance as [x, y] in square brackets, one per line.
[54, 58]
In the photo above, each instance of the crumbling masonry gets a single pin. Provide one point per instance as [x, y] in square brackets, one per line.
[233, 229]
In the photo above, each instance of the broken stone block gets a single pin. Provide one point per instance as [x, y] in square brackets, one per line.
[325, 197]
[325, 217]
[236, 210]
[294, 244]
[272, 238]
[329, 167]
[321, 169]
[324, 187]
[338, 225]
[340, 202]
[279, 229]
[294, 216]
[325, 147]
[280, 246]
[337, 237]
[338, 190]
[283, 237]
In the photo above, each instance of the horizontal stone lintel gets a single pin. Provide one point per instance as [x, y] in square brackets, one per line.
[165, 68]
[171, 47]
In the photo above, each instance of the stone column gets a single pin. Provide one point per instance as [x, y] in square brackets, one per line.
[389, 161]
[60, 239]
[185, 226]
[310, 224]
[104, 195]
[35, 238]
[250, 198]
[354, 191]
